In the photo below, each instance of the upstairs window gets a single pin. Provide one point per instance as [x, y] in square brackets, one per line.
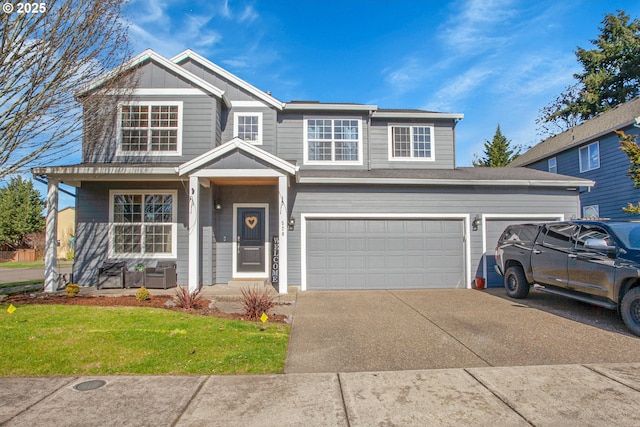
[590, 157]
[248, 127]
[150, 128]
[333, 141]
[411, 143]
[552, 165]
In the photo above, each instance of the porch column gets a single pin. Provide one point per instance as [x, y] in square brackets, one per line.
[51, 242]
[283, 190]
[194, 233]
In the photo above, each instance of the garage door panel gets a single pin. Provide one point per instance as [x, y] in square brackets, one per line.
[384, 253]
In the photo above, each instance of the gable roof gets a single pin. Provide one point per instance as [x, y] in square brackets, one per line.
[150, 55]
[235, 143]
[189, 54]
[619, 117]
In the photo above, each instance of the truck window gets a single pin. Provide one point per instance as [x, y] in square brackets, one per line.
[591, 232]
[558, 236]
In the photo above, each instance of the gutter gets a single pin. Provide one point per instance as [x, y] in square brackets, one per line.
[446, 182]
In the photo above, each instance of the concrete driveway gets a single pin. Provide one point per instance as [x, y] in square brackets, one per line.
[357, 331]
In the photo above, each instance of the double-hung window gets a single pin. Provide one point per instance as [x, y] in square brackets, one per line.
[590, 157]
[143, 223]
[411, 143]
[333, 141]
[150, 128]
[248, 127]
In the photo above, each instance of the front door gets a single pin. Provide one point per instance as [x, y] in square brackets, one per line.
[250, 239]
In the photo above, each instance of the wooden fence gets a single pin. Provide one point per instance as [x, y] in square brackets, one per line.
[21, 255]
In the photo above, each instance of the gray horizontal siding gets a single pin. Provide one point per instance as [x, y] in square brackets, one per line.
[443, 146]
[394, 200]
[613, 189]
[92, 219]
[268, 126]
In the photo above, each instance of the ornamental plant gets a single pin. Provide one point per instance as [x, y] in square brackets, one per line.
[186, 299]
[72, 290]
[256, 302]
[142, 294]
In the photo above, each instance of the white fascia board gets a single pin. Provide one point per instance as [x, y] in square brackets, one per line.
[298, 106]
[416, 115]
[232, 145]
[445, 182]
[104, 170]
[152, 56]
[189, 54]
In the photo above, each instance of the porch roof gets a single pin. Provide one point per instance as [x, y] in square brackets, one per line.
[240, 145]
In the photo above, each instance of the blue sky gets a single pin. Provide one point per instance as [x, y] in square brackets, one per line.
[495, 61]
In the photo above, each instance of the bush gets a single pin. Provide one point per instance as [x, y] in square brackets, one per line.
[256, 302]
[186, 299]
[72, 290]
[142, 294]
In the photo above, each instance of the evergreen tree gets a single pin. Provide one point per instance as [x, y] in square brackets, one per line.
[497, 152]
[632, 150]
[610, 76]
[21, 208]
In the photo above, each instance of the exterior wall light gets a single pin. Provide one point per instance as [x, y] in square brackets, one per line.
[476, 222]
[218, 206]
[292, 223]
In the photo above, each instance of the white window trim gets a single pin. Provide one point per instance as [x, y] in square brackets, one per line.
[306, 160]
[391, 158]
[147, 153]
[174, 227]
[248, 113]
[235, 274]
[585, 168]
[555, 165]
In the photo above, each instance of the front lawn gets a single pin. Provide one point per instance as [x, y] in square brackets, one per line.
[79, 340]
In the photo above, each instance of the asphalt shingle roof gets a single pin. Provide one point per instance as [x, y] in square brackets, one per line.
[614, 119]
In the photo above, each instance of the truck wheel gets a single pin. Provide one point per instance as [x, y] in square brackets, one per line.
[630, 310]
[515, 282]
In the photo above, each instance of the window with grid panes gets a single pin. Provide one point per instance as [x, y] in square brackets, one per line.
[149, 128]
[248, 127]
[333, 140]
[408, 142]
[143, 223]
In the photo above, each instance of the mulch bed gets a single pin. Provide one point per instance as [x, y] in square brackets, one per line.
[154, 301]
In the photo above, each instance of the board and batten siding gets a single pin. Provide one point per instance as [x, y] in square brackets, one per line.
[393, 200]
[92, 228]
[613, 189]
[442, 144]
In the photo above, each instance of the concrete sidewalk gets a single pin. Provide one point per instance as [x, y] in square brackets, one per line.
[567, 395]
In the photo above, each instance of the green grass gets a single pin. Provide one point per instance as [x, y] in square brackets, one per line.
[78, 340]
[27, 283]
[31, 264]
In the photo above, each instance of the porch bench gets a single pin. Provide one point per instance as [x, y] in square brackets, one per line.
[162, 276]
[111, 274]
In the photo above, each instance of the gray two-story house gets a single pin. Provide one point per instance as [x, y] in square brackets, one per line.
[205, 169]
[591, 150]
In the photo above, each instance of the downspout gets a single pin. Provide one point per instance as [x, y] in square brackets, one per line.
[369, 139]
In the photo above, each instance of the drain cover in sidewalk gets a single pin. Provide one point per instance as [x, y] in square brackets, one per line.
[89, 385]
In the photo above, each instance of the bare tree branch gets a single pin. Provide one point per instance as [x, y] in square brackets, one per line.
[45, 58]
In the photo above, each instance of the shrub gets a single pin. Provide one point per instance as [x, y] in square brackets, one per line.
[186, 299]
[72, 290]
[142, 294]
[139, 267]
[71, 253]
[256, 302]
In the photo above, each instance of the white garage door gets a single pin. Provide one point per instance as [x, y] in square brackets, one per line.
[495, 227]
[384, 253]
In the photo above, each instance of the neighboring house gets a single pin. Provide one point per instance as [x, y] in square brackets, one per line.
[66, 231]
[208, 170]
[591, 150]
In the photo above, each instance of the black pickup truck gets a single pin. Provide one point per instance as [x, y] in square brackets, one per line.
[594, 261]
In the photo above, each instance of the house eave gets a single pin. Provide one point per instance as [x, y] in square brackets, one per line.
[75, 175]
[189, 54]
[447, 182]
[316, 106]
[416, 115]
